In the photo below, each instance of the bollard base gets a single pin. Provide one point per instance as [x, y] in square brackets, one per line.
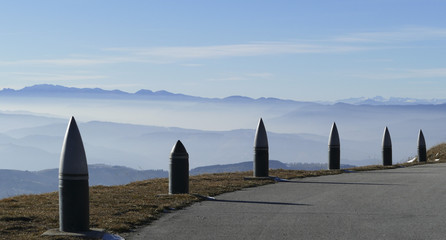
[93, 233]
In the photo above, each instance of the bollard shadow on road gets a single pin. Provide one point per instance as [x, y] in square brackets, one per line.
[395, 172]
[260, 202]
[347, 183]
[249, 202]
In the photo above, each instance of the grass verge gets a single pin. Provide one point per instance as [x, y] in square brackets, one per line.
[119, 209]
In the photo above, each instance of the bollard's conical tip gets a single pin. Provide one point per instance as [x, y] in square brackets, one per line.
[261, 139]
[387, 142]
[333, 140]
[179, 149]
[73, 159]
[421, 140]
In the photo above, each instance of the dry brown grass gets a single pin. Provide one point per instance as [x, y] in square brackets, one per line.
[437, 152]
[119, 209]
[381, 167]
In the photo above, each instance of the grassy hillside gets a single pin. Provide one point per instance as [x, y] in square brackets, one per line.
[437, 153]
[121, 208]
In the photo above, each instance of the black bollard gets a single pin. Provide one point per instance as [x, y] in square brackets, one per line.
[334, 149]
[73, 183]
[179, 170]
[74, 209]
[261, 155]
[387, 148]
[422, 155]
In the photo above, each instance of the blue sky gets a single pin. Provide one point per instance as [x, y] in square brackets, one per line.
[302, 50]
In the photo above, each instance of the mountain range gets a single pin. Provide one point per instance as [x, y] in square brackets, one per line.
[48, 90]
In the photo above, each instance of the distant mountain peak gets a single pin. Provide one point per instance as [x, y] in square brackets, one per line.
[237, 98]
[379, 100]
[45, 87]
[144, 91]
[50, 90]
[55, 89]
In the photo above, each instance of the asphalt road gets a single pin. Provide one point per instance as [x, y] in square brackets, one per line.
[404, 203]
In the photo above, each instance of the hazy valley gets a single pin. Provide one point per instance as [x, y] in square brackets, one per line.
[138, 130]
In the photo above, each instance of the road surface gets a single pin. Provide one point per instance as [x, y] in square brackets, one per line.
[403, 203]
